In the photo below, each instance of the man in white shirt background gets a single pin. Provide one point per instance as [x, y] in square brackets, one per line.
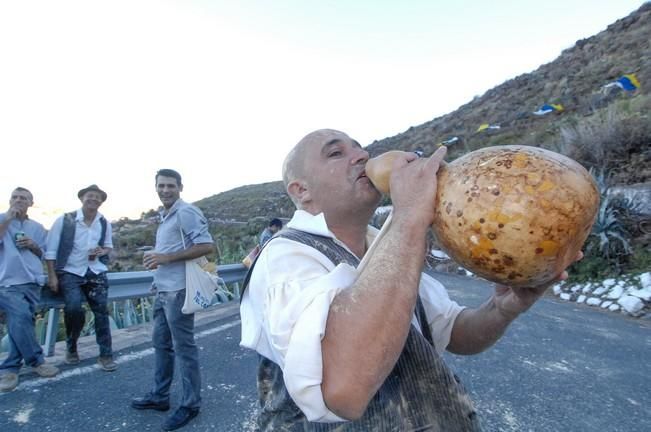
[77, 253]
[351, 348]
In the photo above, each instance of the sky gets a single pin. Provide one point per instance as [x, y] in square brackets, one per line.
[110, 92]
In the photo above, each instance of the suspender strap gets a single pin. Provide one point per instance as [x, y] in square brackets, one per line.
[326, 245]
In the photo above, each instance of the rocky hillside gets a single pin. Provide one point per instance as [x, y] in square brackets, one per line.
[606, 130]
[243, 203]
[574, 80]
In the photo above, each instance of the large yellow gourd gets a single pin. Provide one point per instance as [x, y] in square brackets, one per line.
[515, 215]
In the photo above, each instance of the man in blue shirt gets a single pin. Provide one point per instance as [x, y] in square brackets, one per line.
[181, 236]
[22, 242]
[275, 225]
[77, 253]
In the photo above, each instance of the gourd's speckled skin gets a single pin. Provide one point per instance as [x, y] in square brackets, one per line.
[515, 215]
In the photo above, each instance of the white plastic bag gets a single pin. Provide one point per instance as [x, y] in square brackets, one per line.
[200, 286]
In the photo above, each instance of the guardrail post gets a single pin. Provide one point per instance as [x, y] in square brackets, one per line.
[236, 289]
[142, 311]
[51, 332]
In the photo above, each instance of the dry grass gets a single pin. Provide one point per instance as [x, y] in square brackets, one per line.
[608, 139]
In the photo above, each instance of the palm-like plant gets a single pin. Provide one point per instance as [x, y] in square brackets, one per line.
[608, 229]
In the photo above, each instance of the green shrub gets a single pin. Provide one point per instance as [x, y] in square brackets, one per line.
[591, 268]
[612, 237]
[639, 260]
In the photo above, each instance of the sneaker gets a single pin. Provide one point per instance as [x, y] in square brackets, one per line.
[46, 370]
[180, 418]
[8, 382]
[107, 364]
[72, 358]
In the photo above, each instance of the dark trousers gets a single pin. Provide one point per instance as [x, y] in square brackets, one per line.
[19, 303]
[94, 287]
[173, 339]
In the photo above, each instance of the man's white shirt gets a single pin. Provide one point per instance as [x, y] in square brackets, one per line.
[285, 308]
[86, 238]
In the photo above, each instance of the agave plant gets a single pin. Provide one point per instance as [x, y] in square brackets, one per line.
[608, 230]
[612, 236]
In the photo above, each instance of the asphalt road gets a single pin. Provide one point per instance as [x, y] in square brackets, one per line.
[561, 367]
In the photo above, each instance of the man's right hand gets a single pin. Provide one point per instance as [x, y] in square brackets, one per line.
[151, 260]
[414, 185]
[53, 283]
[13, 212]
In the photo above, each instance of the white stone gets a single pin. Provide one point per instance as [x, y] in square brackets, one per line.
[629, 287]
[593, 301]
[383, 209]
[645, 280]
[557, 289]
[615, 293]
[565, 296]
[599, 291]
[644, 293]
[606, 304]
[439, 254]
[575, 288]
[613, 307]
[581, 299]
[608, 282]
[631, 304]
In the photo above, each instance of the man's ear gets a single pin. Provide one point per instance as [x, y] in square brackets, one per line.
[298, 190]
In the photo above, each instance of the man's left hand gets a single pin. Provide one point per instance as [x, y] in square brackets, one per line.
[151, 261]
[511, 302]
[27, 243]
[98, 251]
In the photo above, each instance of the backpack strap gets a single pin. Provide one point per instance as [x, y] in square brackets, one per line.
[104, 259]
[102, 236]
[66, 239]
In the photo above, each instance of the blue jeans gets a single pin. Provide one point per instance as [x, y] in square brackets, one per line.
[19, 303]
[95, 290]
[173, 338]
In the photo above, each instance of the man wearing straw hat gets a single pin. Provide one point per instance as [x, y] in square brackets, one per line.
[77, 255]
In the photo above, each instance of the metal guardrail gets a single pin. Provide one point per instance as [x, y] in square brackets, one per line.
[125, 286]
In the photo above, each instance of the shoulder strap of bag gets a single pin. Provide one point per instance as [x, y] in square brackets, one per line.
[182, 236]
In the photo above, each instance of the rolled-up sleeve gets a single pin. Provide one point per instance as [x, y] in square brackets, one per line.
[2, 219]
[108, 240]
[40, 237]
[53, 238]
[194, 225]
[440, 310]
